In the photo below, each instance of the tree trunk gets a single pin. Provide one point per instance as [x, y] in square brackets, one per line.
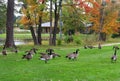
[50, 39]
[55, 25]
[40, 31]
[33, 36]
[102, 36]
[55, 30]
[56, 12]
[9, 25]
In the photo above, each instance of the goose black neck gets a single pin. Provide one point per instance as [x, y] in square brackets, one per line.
[50, 52]
[76, 51]
[115, 51]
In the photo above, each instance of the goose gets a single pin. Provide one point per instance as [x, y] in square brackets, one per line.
[91, 47]
[115, 47]
[46, 57]
[32, 51]
[85, 47]
[51, 51]
[48, 51]
[114, 57]
[4, 52]
[55, 55]
[27, 56]
[16, 51]
[73, 55]
[99, 46]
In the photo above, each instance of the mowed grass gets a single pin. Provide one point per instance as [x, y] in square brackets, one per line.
[91, 65]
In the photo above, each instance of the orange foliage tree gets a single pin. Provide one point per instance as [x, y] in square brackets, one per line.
[102, 14]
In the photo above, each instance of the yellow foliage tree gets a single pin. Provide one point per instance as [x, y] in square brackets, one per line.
[32, 11]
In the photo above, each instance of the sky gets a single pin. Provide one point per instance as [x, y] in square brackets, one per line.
[17, 7]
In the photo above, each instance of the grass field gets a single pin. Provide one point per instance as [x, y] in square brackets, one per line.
[91, 65]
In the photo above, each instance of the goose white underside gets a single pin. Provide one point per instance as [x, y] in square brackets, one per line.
[42, 59]
[49, 57]
[114, 58]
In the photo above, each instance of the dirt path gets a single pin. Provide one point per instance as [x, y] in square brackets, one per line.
[109, 44]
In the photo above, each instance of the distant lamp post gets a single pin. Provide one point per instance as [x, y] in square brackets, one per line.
[61, 23]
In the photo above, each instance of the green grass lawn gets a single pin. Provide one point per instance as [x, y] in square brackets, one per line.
[91, 65]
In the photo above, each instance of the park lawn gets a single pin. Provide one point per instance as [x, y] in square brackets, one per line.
[91, 65]
[21, 36]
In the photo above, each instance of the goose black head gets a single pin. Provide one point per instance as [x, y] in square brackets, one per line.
[116, 47]
[77, 50]
[49, 50]
[34, 50]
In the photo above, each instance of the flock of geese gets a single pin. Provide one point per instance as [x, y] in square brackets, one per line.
[50, 54]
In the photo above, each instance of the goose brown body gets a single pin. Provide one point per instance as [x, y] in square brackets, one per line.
[4, 52]
[46, 57]
[73, 55]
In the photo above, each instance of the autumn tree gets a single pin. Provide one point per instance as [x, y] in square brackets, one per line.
[103, 15]
[105, 20]
[33, 11]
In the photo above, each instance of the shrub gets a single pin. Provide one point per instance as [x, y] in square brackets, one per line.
[115, 35]
[77, 39]
[59, 42]
[68, 39]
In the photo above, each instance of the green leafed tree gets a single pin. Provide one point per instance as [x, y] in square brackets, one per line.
[2, 15]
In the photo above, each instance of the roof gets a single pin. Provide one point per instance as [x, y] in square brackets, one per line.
[46, 24]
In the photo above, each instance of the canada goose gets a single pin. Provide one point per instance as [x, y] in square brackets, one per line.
[4, 52]
[91, 47]
[48, 51]
[99, 46]
[114, 57]
[27, 56]
[16, 51]
[51, 51]
[46, 57]
[85, 47]
[32, 51]
[55, 55]
[73, 55]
